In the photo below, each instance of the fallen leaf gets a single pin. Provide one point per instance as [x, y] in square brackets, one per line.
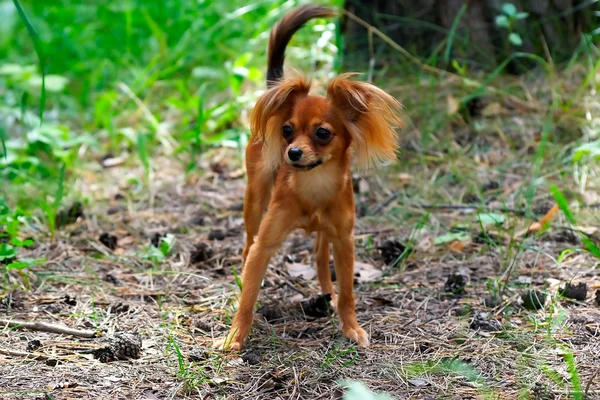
[453, 105]
[457, 246]
[451, 237]
[366, 272]
[492, 109]
[418, 382]
[299, 270]
[491, 218]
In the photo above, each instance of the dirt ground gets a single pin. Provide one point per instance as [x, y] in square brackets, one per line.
[437, 328]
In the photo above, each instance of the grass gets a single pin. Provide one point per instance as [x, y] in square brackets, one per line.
[164, 94]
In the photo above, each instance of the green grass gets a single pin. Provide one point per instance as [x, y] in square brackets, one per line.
[136, 79]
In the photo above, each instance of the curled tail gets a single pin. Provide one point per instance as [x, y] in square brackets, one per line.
[283, 31]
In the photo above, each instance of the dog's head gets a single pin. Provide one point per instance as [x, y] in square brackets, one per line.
[306, 131]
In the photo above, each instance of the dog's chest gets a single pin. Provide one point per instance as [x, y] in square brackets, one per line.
[316, 189]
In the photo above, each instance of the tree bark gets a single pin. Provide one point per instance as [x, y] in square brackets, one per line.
[553, 27]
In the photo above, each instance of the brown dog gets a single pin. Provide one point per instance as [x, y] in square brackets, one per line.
[298, 164]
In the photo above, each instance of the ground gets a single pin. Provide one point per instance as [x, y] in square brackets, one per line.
[455, 245]
[441, 299]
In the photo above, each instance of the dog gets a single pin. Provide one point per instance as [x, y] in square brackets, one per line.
[298, 164]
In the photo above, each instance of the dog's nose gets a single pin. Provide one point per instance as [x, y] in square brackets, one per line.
[295, 153]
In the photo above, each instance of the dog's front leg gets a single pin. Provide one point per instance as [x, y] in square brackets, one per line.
[343, 259]
[276, 225]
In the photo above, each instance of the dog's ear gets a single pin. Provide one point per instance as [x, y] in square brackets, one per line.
[370, 115]
[272, 109]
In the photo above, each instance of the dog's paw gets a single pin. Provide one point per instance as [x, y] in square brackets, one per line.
[333, 302]
[227, 344]
[358, 335]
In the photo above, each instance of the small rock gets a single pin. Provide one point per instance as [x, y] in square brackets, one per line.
[216, 234]
[33, 345]
[108, 240]
[533, 300]
[201, 252]
[575, 292]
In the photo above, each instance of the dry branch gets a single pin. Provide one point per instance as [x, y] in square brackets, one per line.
[46, 327]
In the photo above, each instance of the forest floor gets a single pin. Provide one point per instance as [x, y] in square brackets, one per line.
[440, 289]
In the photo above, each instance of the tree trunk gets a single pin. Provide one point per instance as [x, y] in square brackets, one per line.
[552, 27]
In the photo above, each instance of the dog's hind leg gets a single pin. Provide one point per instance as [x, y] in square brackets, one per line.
[258, 194]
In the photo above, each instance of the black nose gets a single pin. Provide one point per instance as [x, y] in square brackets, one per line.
[295, 153]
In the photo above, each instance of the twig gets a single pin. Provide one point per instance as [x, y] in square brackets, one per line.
[389, 200]
[46, 327]
[15, 353]
[589, 384]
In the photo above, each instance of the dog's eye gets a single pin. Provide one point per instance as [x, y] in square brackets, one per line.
[288, 132]
[323, 135]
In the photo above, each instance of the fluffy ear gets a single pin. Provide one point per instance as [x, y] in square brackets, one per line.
[272, 109]
[370, 115]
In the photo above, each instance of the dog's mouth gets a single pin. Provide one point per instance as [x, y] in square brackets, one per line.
[306, 167]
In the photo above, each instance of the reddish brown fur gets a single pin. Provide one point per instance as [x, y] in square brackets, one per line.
[361, 119]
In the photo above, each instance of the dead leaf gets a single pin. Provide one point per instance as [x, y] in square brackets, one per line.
[457, 246]
[405, 179]
[492, 109]
[453, 105]
[537, 226]
[364, 272]
[418, 382]
[299, 270]
[549, 215]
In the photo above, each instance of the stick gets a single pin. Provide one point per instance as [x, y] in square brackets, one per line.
[389, 200]
[15, 353]
[46, 327]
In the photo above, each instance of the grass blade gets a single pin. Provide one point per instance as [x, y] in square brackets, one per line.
[562, 203]
[37, 45]
[452, 32]
[4, 152]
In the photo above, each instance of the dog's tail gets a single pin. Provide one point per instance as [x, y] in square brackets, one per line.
[283, 31]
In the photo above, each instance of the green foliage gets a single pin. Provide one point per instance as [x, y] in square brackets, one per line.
[356, 390]
[508, 19]
[133, 77]
[162, 252]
